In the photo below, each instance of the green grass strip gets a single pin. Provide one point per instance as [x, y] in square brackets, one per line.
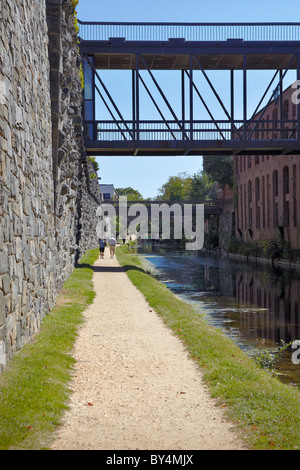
[34, 389]
[265, 411]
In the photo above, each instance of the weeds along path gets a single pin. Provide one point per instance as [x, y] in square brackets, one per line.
[134, 387]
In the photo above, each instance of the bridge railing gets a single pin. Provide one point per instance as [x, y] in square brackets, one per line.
[134, 31]
[189, 130]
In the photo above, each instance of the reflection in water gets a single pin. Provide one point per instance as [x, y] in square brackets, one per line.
[258, 307]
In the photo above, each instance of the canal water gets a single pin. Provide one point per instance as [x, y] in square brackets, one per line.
[258, 307]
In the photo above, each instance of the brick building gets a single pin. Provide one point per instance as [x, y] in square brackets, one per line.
[268, 186]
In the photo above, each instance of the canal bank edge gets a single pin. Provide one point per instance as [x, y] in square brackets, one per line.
[278, 263]
[282, 263]
[265, 409]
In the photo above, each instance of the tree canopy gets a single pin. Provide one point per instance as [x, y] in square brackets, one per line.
[203, 187]
[183, 187]
[220, 168]
[177, 188]
[132, 194]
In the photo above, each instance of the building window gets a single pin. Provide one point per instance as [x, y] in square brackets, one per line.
[275, 194]
[274, 124]
[286, 207]
[245, 204]
[257, 204]
[249, 191]
[249, 202]
[295, 195]
[285, 180]
[285, 116]
[268, 201]
[275, 183]
[263, 203]
[241, 207]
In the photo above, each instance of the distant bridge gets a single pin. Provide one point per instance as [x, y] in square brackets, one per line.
[190, 48]
[210, 207]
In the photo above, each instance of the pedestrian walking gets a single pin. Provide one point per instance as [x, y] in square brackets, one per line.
[112, 246]
[101, 248]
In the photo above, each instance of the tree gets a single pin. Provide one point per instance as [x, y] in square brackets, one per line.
[203, 187]
[183, 187]
[132, 194]
[220, 169]
[176, 189]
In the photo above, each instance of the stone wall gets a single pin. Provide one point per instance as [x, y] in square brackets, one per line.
[88, 201]
[67, 142]
[47, 198]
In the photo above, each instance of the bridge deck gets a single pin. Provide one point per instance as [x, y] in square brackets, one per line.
[174, 54]
[199, 147]
[210, 207]
[189, 48]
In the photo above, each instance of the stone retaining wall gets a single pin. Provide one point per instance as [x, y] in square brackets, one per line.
[47, 199]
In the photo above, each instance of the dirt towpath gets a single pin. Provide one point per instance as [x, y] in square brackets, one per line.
[134, 387]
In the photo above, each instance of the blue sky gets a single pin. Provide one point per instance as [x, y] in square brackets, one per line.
[147, 174]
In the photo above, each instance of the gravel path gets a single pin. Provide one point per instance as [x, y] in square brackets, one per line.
[134, 387]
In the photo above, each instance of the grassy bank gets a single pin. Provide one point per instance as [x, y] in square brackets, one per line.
[264, 409]
[34, 389]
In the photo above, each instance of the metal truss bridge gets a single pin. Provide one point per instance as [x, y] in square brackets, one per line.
[211, 207]
[193, 50]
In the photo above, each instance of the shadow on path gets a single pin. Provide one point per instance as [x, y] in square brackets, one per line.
[110, 269]
[115, 269]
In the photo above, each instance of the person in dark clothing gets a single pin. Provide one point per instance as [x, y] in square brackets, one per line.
[101, 247]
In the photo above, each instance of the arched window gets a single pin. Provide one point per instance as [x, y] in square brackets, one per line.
[257, 190]
[241, 204]
[285, 180]
[275, 183]
[285, 110]
[268, 202]
[274, 124]
[249, 191]
[275, 194]
[249, 161]
[295, 195]
[286, 189]
[245, 204]
[249, 206]
[285, 117]
[263, 198]
[263, 129]
[257, 204]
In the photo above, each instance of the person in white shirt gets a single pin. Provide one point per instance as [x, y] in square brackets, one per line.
[112, 246]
